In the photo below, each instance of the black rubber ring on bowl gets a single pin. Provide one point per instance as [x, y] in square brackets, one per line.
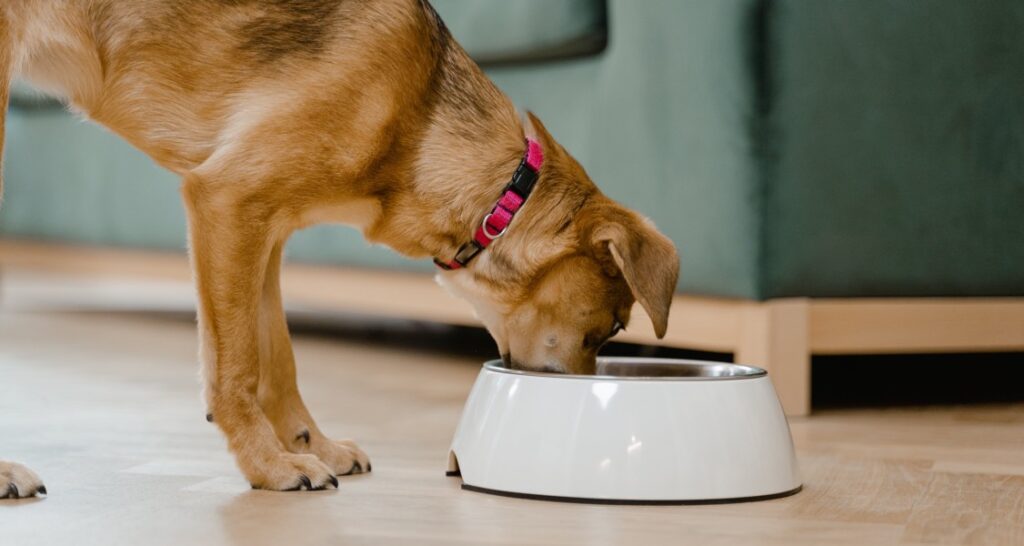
[581, 500]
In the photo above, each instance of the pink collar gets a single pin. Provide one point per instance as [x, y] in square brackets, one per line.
[496, 222]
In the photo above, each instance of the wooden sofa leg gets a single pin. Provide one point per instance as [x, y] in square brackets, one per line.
[774, 336]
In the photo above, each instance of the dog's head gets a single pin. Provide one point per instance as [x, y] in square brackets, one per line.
[564, 278]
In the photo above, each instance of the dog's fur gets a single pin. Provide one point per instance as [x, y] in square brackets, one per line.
[279, 114]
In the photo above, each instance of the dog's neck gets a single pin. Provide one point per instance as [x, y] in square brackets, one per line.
[472, 143]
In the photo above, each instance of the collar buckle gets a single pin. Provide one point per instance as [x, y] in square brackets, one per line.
[487, 233]
[466, 252]
[512, 198]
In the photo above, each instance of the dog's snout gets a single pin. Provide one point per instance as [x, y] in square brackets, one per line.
[513, 364]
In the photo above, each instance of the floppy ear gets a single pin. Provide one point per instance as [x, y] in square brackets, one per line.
[647, 260]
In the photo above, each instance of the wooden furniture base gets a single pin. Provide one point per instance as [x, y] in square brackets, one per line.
[779, 335]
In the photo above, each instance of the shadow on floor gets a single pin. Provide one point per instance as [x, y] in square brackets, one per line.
[905, 380]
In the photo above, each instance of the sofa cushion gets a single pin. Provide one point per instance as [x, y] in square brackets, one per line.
[503, 31]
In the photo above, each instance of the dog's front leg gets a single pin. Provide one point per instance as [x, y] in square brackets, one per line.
[232, 233]
[278, 392]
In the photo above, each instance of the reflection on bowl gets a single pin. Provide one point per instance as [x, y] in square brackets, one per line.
[639, 431]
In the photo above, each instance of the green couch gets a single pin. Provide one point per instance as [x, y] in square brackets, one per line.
[789, 148]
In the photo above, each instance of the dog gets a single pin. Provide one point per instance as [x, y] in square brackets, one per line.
[280, 114]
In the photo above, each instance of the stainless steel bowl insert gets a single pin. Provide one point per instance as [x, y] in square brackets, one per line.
[625, 368]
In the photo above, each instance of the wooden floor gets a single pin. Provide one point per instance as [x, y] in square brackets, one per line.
[105, 406]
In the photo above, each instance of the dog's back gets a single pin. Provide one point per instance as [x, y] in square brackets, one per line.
[205, 71]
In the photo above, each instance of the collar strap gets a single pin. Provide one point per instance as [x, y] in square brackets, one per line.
[496, 222]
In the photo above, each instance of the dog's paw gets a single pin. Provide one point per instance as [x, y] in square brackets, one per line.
[292, 472]
[18, 482]
[343, 456]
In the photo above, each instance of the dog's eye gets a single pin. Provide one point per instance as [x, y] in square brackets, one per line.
[593, 340]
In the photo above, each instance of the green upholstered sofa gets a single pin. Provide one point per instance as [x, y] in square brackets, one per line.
[791, 149]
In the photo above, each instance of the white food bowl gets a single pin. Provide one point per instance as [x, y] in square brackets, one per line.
[643, 431]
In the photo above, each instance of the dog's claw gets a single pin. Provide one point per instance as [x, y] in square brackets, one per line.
[369, 466]
[41, 490]
[356, 469]
[209, 417]
[304, 435]
[12, 491]
[305, 484]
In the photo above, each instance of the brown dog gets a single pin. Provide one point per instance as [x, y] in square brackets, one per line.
[283, 113]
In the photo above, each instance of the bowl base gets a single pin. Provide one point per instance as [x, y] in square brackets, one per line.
[583, 500]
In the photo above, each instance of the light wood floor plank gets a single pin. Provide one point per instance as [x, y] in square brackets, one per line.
[106, 407]
[972, 509]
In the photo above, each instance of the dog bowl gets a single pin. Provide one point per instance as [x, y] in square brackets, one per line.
[640, 431]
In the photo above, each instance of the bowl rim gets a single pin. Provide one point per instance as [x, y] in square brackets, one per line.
[750, 372]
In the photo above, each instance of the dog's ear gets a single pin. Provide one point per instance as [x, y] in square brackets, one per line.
[647, 259]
